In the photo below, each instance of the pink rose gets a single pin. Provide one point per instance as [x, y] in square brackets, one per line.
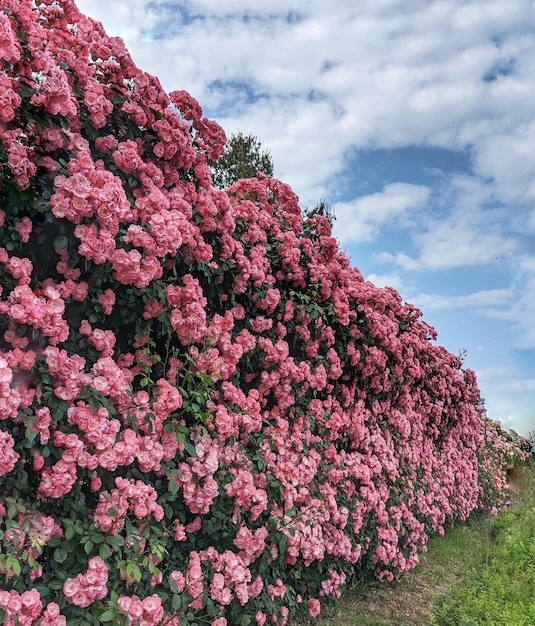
[314, 607]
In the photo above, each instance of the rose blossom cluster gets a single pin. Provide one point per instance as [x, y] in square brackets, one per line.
[232, 577]
[146, 612]
[26, 609]
[196, 476]
[8, 456]
[129, 496]
[86, 588]
[198, 393]
[42, 309]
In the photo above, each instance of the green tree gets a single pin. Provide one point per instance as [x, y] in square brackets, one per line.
[243, 158]
[322, 208]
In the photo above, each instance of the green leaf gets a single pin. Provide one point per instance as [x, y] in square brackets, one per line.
[31, 435]
[104, 551]
[190, 448]
[282, 540]
[291, 512]
[94, 404]
[153, 569]
[133, 570]
[33, 563]
[60, 555]
[69, 533]
[61, 242]
[107, 616]
[115, 541]
[13, 564]
[56, 585]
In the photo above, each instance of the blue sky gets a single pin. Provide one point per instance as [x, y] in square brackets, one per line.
[414, 119]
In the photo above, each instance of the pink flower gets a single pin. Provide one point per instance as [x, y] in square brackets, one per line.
[8, 456]
[38, 461]
[129, 496]
[52, 617]
[180, 532]
[107, 301]
[24, 229]
[178, 579]
[10, 50]
[146, 612]
[278, 590]
[260, 618]
[96, 482]
[89, 587]
[314, 607]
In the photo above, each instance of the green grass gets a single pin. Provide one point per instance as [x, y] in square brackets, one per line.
[481, 573]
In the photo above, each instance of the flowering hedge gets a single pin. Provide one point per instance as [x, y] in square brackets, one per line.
[206, 415]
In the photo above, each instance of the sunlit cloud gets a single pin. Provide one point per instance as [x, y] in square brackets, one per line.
[480, 301]
[360, 219]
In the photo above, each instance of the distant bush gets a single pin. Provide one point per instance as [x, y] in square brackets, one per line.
[502, 451]
[206, 415]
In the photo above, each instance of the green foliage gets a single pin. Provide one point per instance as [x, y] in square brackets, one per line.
[243, 158]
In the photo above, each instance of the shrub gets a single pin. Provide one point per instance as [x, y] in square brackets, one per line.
[206, 415]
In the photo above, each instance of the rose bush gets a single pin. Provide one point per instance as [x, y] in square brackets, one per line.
[206, 415]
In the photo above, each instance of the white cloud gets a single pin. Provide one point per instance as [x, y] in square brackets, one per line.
[479, 301]
[130, 20]
[388, 74]
[459, 240]
[387, 280]
[520, 312]
[512, 175]
[360, 219]
[509, 397]
[468, 226]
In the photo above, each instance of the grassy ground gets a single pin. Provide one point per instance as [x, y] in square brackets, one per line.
[481, 573]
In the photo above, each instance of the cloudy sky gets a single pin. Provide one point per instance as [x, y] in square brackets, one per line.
[413, 118]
